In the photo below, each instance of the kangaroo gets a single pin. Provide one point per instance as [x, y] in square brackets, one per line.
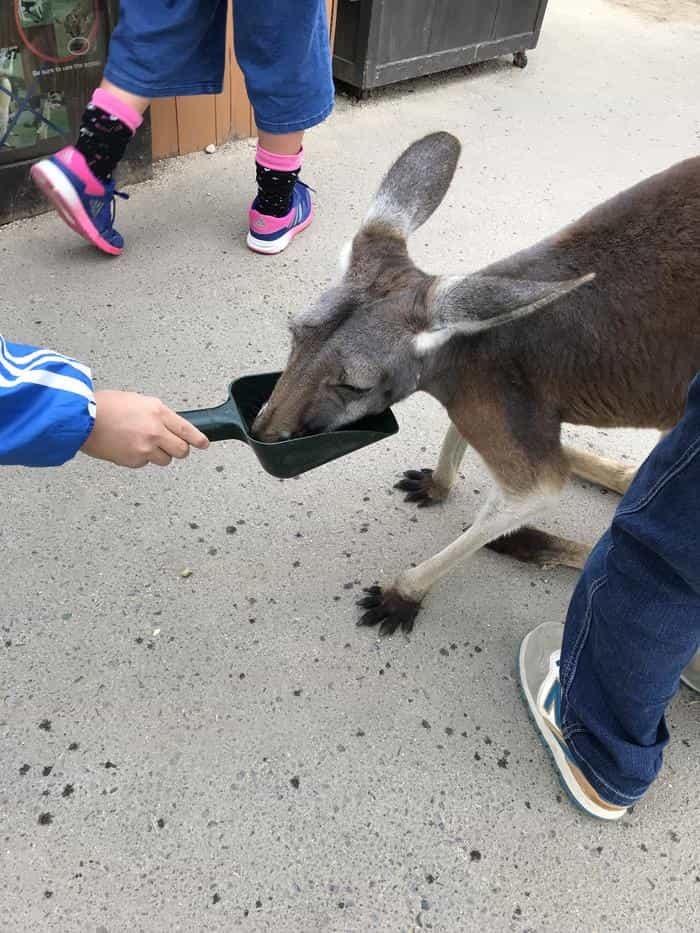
[597, 325]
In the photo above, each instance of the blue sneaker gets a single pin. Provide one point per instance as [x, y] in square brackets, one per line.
[538, 666]
[273, 234]
[84, 202]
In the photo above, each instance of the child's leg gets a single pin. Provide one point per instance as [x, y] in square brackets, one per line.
[135, 101]
[277, 167]
[78, 179]
[284, 53]
[282, 143]
[109, 121]
[158, 49]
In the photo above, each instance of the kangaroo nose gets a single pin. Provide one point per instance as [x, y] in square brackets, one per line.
[265, 430]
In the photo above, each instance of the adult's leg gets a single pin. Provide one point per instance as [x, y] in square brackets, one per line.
[634, 621]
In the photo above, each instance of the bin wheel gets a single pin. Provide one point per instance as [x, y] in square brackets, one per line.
[520, 58]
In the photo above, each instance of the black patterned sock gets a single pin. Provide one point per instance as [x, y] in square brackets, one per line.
[275, 190]
[102, 140]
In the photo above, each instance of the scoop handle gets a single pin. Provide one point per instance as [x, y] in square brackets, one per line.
[222, 423]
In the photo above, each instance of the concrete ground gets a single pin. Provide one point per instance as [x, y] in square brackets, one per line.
[226, 750]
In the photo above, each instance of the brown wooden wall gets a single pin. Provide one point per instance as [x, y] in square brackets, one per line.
[188, 124]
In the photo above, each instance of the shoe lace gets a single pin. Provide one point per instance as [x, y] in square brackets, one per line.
[304, 185]
[112, 193]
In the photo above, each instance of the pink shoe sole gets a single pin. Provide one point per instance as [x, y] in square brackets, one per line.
[271, 248]
[58, 190]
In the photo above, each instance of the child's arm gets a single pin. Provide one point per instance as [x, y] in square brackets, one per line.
[47, 406]
[49, 411]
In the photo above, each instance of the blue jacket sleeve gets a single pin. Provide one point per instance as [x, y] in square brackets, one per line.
[47, 406]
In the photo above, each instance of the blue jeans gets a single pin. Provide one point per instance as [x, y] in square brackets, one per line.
[164, 48]
[634, 621]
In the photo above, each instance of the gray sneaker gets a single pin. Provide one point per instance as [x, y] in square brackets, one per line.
[691, 675]
[539, 678]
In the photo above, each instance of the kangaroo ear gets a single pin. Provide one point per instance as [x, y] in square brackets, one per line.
[415, 184]
[477, 303]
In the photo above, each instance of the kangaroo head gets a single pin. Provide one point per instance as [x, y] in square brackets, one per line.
[364, 344]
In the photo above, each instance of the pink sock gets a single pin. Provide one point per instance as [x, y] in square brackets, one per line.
[278, 163]
[107, 101]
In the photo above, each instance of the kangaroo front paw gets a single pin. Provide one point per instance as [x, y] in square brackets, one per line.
[388, 609]
[420, 487]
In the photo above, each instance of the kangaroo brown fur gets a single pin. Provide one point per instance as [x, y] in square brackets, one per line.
[512, 352]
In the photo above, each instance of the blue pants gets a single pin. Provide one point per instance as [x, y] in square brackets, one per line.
[634, 620]
[163, 48]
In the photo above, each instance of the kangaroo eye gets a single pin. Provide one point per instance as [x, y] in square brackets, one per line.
[350, 390]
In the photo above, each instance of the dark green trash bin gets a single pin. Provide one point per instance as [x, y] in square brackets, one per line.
[379, 42]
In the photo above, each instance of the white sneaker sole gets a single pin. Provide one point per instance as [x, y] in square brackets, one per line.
[571, 785]
[272, 247]
[691, 675]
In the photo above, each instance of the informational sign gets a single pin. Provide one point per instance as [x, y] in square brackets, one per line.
[52, 53]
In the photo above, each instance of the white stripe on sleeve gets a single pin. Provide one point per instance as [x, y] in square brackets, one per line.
[51, 380]
[39, 356]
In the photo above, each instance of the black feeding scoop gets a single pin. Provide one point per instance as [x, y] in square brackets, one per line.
[234, 419]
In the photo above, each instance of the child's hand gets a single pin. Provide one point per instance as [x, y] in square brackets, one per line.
[132, 430]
